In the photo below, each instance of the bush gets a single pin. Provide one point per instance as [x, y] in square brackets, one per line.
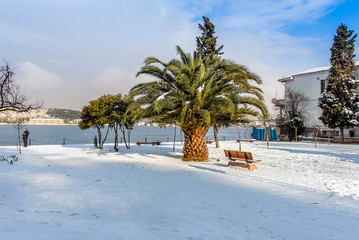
[295, 127]
[10, 159]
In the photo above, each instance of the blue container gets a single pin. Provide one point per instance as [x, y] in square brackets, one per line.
[260, 134]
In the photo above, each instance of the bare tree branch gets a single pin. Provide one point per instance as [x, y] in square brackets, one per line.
[11, 97]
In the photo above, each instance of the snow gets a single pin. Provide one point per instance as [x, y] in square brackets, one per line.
[318, 69]
[312, 70]
[77, 192]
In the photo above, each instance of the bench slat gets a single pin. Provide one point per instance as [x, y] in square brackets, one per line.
[153, 143]
[244, 160]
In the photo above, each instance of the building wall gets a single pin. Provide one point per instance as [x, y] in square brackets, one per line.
[309, 84]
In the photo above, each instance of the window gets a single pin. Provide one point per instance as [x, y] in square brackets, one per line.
[322, 86]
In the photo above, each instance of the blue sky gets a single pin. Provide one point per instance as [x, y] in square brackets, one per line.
[68, 52]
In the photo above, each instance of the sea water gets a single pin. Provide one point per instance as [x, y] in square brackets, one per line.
[72, 134]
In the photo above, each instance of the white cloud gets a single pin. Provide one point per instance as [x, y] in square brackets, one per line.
[273, 14]
[32, 77]
[113, 79]
[100, 45]
[39, 84]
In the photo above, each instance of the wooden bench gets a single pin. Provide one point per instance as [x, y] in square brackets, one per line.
[153, 143]
[247, 140]
[245, 159]
[209, 142]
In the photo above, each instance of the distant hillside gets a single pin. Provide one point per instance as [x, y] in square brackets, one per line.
[65, 114]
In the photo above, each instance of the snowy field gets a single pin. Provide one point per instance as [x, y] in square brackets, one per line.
[76, 192]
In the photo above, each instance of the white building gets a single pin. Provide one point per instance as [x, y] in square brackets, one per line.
[311, 83]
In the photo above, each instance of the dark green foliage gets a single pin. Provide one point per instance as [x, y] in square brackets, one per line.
[113, 111]
[339, 103]
[192, 91]
[195, 93]
[96, 115]
[121, 116]
[295, 127]
[208, 51]
[207, 42]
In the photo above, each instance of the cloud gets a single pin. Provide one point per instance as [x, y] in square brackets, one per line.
[32, 77]
[39, 84]
[274, 14]
[112, 80]
[100, 45]
[266, 27]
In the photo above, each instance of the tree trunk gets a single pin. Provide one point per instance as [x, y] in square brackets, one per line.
[129, 137]
[104, 140]
[116, 138]
[99, 137]
[215, 131]
[342, 134]
[123, 130]
[239, 140]
[174, 140]
[195, 147]
[18, 132]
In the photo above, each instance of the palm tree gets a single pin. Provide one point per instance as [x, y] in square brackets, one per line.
[249, 96]
[189, 93]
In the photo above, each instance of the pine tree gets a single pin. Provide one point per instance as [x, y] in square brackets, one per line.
[207, 42]
[206, 47]
[340, 101]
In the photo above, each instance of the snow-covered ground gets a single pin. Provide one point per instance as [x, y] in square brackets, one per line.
[76, 192]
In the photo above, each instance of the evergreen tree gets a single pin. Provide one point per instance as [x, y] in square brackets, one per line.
[117, 109]
[339, 103]
[206, 47]
[207, 42]
[97, 115]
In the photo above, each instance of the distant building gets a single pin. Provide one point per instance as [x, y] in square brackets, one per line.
[36, 117]
[45, 121]
[312, 83]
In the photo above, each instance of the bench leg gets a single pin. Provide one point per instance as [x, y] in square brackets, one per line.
[250, 167]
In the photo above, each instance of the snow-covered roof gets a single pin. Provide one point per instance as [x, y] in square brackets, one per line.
[318, 69]
[311, 70]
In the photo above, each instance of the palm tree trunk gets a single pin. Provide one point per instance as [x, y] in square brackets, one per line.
[195, 147]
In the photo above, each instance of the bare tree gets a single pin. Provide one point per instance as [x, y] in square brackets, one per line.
[294, 107]
[11, 97]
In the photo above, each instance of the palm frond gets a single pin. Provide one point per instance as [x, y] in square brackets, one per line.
[198, 92]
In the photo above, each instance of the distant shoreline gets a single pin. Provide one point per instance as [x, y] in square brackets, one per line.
[41, 124]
